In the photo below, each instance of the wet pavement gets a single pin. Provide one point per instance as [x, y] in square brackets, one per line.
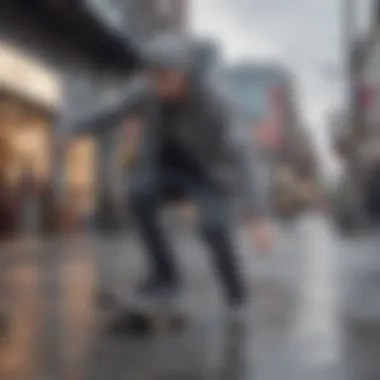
[298, 327]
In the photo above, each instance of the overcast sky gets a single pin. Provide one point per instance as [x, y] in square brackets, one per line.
[303, 34]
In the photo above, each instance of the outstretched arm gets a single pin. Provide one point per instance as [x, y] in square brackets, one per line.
[111, 115]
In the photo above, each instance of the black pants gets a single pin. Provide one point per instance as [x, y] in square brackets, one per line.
[148, 192]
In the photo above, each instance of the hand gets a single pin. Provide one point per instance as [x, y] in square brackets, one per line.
[262, 235]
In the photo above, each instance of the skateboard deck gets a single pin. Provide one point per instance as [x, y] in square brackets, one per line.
[137, 316]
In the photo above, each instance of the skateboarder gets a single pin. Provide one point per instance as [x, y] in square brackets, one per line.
[186, 147]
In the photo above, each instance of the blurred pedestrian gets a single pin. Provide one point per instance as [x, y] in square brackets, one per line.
[9, 211]
[28, 194]
[186, 146]
[9, 219]
[47, 209]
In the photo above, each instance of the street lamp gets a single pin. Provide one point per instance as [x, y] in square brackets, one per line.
[348, 44]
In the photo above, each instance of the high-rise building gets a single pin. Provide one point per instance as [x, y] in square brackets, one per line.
[260, 92]
[265, 95]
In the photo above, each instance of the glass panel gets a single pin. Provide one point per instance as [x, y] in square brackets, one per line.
[251, 97]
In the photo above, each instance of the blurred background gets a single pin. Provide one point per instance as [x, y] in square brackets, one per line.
[305, 76]
[58, 62]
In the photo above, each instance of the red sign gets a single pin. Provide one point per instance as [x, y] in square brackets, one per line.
[366, 95]
[269, 132]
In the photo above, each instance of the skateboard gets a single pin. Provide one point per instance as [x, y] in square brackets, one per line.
[139, 317]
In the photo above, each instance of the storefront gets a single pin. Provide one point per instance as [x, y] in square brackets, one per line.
[69, 38]
[29, 96]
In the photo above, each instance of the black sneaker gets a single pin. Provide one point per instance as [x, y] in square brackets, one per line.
[237, 310]
[156, 295]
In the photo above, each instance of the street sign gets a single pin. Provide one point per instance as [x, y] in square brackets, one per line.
[268, 133]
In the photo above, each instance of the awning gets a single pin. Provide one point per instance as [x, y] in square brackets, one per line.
[65, 25]
[27, 78]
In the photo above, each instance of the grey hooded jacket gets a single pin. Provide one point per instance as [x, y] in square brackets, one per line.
[205, 126]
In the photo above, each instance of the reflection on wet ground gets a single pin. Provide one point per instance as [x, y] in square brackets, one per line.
[57, 331]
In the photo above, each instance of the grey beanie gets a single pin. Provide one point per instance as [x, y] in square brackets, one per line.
[168, 50]
[207, 56]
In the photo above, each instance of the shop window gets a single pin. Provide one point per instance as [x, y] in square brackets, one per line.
[80, 173]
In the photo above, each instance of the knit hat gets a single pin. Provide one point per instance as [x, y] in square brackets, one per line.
[168, 51]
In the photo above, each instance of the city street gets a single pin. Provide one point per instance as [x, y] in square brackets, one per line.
[109, 108]
[293, 330]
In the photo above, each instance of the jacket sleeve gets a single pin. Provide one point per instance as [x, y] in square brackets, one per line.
[253, 172]
[111, 115]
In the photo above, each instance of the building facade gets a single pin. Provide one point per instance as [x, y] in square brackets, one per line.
[360, 131]
[91, 47]
[266, 98]
[29, 95]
